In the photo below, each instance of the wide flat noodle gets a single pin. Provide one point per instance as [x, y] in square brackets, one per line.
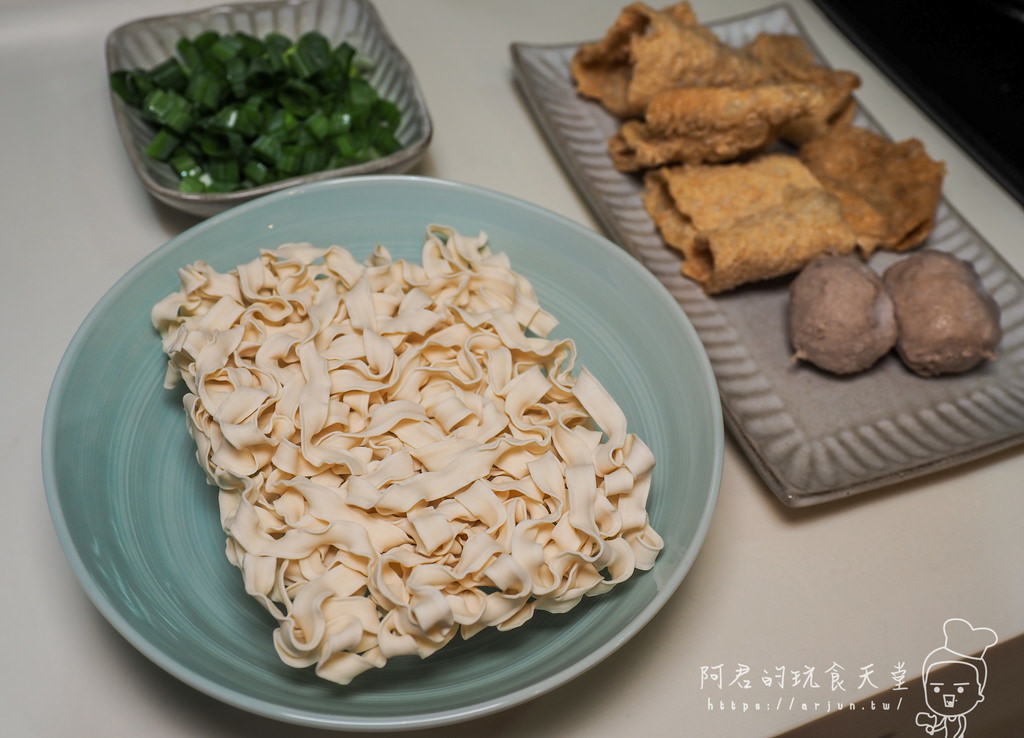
[401, 451]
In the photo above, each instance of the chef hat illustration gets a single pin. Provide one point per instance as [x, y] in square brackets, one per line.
[964, 643]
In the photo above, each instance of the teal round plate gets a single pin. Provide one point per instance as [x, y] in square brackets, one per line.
[141, 526]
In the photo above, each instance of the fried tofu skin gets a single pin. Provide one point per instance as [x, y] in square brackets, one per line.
[705, 124]
[745, 222]
[685, 96]
[647, 51]
[697, 125]
[790, 59]
[889, 190]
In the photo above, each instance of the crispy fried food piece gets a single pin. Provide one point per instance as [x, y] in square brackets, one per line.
[647, 51]
[772, 243]
[889, 190]
[696, 125]
[692, 199]
[792, 60]
[745, 222]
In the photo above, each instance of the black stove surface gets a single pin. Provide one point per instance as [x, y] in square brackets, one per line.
[962, 63]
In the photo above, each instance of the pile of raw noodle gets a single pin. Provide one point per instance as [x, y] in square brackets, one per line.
[401, 452]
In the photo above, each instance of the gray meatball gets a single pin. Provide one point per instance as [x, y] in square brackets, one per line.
[840, 316]
[947, 322]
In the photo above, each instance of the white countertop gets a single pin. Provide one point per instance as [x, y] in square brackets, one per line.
[865, 581]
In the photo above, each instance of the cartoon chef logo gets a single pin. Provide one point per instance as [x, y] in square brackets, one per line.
[954, 678]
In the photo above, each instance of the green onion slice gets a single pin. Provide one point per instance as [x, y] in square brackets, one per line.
[231, 110]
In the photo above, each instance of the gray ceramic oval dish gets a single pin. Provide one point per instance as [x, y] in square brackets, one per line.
[811, 436]
[146, 42]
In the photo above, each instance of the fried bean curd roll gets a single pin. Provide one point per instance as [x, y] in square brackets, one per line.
[791, 60]
[745, 222]
[890, 190]
[704, 125]
[647, 51]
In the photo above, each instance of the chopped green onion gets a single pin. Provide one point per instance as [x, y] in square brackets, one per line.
[163, 145]
[170, 109]
[385, 142]
[206, 90]
[184, 163]
[314, 159]
[299, 98]
[190, 55]
[241, 119]
[227, 47]
[303, 137]
[318, 125]
[343, 55]
[290, 159]
[216, 185]
[236, 72]
[387, 114]
[131, 85]
[309, 55]
[192, 183]
[232, 111]
[206, 39]
[267, 148]
[346, 145]
[281, 121]
[169, 75]
[252, 47]
[339, 122]
[361, 96]
[224, 170]
[258, 172]
[218, 145]
[277, 46]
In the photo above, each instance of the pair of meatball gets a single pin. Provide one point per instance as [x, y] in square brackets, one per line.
[930, 306]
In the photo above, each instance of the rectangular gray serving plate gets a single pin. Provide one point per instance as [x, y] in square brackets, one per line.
[813, 437]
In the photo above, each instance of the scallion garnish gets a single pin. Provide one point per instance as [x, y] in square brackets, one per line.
[163, 145]
[232, 111]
